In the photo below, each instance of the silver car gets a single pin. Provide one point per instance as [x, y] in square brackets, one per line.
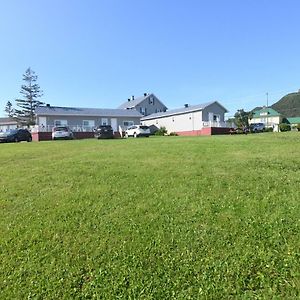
[62, 133]
[137, 131]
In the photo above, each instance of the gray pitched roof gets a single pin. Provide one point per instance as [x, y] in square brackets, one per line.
[181, 110]
[76, 111]
[136, 101]
[132, 103]
[4, 121]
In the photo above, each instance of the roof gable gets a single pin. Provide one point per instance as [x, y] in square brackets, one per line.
[133, 103]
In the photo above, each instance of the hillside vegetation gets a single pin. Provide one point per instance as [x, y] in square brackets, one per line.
[158, 218]
[289, 105]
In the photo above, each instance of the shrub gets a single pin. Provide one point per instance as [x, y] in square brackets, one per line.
[173, 134]
[269, 129]
[161, 131]
[284, 127]
[239, 130]
[298, 126]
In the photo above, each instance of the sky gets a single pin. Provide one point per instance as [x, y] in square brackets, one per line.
[98, 53]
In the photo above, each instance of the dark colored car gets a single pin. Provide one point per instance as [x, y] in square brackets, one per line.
[15, 135]
[104, 132]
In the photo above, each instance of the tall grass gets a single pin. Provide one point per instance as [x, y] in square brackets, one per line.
[158, 218]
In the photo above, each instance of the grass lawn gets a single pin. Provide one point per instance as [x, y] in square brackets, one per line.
[159, 218]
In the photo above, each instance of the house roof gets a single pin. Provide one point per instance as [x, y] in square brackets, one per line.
[77, 111]
[7, 121]
[182, 110]
[133, 103]
[267, 111]
[294, 120]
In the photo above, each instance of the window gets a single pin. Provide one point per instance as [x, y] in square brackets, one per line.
[143, 111]
[216, 118]
[151, 100]
[60, 123]
[128, 123]
[104, 121]
[88, 123]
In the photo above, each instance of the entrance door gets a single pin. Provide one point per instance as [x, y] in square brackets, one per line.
[42, 121]
[114, 124]
[42, 124]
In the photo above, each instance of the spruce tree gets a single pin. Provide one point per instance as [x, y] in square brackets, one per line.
[31, 92]
[9, 109]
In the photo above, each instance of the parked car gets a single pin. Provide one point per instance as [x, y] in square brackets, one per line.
[257, 127]
[62, 133]
[15, 135]
[137, 131]
[104, 132]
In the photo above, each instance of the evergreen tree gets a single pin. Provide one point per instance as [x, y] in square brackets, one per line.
[31, 92]
[242, 118]
[9, 109]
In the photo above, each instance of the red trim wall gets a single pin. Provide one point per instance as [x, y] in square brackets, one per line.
[47, 136]
[205, 131]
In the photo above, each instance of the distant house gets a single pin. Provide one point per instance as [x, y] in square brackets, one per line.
[294, 121]
[146, 105]
[267, 116]
[7, 124]
[203, 119]
[83, 120]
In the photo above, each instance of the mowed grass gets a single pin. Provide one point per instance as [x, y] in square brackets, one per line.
[159, 218]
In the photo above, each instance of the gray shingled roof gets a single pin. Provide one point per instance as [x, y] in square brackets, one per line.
[4, 121]
[181, 110]
[76, 111]
[133, 103]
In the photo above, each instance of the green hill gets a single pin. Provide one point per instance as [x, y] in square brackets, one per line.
[289, 105]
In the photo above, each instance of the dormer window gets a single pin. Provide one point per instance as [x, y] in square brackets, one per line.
[263, 114]
[151, 100]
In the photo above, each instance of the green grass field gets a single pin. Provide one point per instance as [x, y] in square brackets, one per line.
[159, 218]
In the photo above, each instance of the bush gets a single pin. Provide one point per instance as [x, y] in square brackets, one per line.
[298, 127]
[161, 131]
[284, 127]
[269, 129]
[173, 134]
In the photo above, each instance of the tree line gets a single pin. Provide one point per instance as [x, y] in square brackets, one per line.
[24, 112]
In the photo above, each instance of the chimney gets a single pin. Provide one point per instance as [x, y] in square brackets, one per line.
[128, 99]
[186, 105]
[145, 94]
[132, 98]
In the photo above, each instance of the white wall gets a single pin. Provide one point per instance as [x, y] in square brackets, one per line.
[178, 123]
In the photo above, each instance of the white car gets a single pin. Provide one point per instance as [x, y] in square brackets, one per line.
[137, 131]
[62, 133]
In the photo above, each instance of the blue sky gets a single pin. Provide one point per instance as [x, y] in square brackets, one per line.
[93, 53]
